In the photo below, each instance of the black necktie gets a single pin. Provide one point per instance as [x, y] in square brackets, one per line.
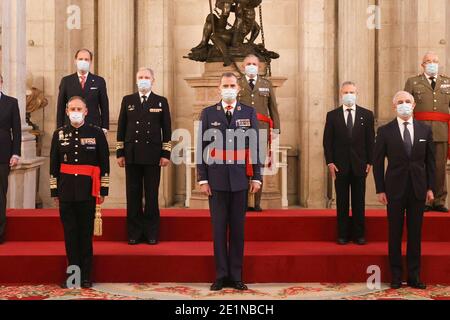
[252, 84]
[433, 82]
[144, 100]
[407, 139]
[349, 123]
[228, 114]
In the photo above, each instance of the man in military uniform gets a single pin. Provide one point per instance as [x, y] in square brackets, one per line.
[79, 180]
[143, 147]
[432, 94]
[227, 168]
[258, 92]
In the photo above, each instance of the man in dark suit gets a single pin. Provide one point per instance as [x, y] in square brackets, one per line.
[407, 184]
[90, 87]
[348, 144]
[227, 168]
[10, 142]
[143, 147]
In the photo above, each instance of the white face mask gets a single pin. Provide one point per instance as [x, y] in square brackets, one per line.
[76, 117]
[83, 66]
[251, 70]
[229, 95]
[144, 85]
[405, 109]
[349, 99]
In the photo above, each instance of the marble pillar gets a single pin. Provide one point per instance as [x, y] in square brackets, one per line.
[116, 63]
[22, 182]
[354, 33]
[155, 50]
[357, 22]
[317, 95]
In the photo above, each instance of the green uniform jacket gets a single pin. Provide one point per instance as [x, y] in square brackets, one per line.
[262, 98]
[429, 100]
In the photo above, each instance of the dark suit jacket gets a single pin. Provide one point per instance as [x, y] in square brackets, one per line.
[420, 167]
[220, 175]
[94, 93]
[347, 153]
[10, 129]
[144, 132]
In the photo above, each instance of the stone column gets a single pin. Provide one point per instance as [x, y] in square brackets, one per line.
[356, 58]
[22, 185]
[155, 50]
[357, 48]
[115, 62]
[317, 92]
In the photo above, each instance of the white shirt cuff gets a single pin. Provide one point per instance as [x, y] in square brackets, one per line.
[203, 182]
[257, 181]
[16, 157]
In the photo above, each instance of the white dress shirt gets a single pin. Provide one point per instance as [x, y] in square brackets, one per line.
[410, 128]
[144, 95]
[83, 75]
[225, 105]
[353, 112]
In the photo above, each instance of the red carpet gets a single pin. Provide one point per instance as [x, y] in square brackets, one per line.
[282, 246]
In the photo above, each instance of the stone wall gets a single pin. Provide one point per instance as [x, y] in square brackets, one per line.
[321, 42]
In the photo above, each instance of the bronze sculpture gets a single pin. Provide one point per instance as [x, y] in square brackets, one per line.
[229, 42]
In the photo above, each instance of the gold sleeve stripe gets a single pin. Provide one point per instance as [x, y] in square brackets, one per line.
[167, 146]
[120, 145]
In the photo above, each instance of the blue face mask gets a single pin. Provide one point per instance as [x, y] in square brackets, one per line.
[349, 99]
[144, 85]
[432, 69]
[83, 65]
[405, 109]
[251, 70]
[229, 95]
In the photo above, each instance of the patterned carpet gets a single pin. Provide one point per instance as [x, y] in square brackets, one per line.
[167, 291]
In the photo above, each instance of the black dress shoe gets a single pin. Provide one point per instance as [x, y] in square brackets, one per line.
[86, 284]
[417, 285]
[360, 241]
[428, 209]
[2, 241]
[217, 285]
[152, 242]
[250, 209]
[258, 209]
[441, 209]
[396, 285]
[133, 242]
[239, 285]
[342, 241]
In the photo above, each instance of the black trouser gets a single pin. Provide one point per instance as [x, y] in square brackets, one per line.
[344, 183]
[414, 218]
[78, 222]
[143, 182]
[228, 214]
[4, 173]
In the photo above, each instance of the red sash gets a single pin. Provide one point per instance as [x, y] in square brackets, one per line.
[235, 155]
[268, 120]
[435, 116]
[85, 170]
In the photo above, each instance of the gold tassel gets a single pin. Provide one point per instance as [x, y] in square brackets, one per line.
[251, 199]
[98, 223]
